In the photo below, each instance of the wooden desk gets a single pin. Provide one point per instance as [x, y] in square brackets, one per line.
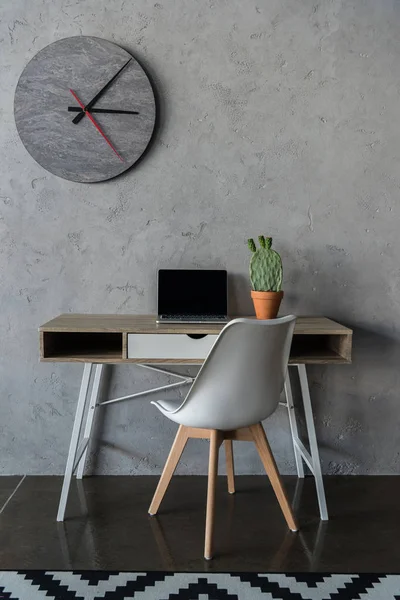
[104, 339]
[138, 339]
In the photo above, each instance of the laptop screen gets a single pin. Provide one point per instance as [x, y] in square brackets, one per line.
[192, 292]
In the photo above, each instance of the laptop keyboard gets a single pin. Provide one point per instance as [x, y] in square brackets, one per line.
[193, 317]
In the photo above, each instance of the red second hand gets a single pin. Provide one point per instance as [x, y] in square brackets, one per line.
[96, 125]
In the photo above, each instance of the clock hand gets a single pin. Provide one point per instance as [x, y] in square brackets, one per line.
[98, 95]
[96, 125]
[104, 110]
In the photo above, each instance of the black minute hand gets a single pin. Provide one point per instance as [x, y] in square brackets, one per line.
[99, 94]
[104, 110]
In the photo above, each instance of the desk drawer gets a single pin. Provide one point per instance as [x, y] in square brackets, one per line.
[166, 345]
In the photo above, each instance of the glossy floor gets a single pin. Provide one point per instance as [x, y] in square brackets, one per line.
[107, 526]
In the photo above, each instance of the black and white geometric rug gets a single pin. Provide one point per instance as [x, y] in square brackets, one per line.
[113, 585]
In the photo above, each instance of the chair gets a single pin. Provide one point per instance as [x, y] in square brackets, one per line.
[237, 387]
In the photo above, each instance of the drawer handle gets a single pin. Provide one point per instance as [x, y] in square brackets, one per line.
[196, 336]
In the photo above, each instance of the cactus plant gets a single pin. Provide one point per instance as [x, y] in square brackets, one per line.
[265, 266]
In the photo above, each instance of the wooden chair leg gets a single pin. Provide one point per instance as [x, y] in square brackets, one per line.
[215, 442]
[264, 450]
[230, 466]
[172, 461]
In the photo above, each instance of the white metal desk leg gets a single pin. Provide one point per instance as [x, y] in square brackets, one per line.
[312, 438]
[293, 425]
[73, 446]
[90, 418]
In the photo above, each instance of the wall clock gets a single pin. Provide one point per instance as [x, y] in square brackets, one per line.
[84, 109]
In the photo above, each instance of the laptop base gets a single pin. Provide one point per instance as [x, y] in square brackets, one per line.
[194, 320]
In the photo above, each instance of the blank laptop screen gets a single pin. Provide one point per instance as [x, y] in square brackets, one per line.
[192, 292]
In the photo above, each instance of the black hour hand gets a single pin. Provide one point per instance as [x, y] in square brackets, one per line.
[104, 110]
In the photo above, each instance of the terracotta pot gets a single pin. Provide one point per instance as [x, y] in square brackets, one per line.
[266, 304]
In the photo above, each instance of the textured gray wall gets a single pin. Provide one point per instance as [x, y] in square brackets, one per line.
[279, 117]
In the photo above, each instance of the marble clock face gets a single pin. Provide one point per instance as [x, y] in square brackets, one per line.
[84, 109]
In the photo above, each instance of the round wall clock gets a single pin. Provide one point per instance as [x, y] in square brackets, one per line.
[84, 109]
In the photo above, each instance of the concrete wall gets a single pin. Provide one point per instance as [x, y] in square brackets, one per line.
[277, 117]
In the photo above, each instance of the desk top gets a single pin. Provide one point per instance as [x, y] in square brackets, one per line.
[147, 324]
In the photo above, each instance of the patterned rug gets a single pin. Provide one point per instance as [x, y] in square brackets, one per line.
[112, 585]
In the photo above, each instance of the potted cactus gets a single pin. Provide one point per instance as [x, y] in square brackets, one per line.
[266, 278]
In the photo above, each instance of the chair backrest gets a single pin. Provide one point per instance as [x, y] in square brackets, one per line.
[241, 380]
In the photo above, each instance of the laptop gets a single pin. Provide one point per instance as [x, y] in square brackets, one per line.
[192, 296]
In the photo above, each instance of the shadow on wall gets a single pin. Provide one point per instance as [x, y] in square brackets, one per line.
[92, 465]
[240, 302]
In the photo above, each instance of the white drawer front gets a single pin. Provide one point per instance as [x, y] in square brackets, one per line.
[166, 345]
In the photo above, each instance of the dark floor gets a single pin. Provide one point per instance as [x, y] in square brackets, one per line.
[107, 526]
